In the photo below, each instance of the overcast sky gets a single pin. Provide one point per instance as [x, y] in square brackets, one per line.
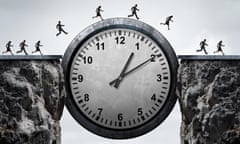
[194, 20]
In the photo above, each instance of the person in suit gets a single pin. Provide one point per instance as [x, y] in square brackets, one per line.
[219, 47]
[98, 12]
[203, 45]
[134, 10]
[37, 46]
[60, 29]
[8, 48]
[167, 22]
[23, 46]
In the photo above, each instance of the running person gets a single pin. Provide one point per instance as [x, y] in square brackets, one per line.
[8, 48]
[167, 22]
[37, 46]
[134, 10]
[22, 46]
[60, 29]
[203, 45]
[98, 12]
[219, 47]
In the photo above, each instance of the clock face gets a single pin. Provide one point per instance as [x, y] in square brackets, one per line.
[120, 77]
[139, 96]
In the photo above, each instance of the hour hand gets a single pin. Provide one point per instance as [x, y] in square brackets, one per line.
[117, 81]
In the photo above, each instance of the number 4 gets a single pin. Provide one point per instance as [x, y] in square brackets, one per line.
[153, 97]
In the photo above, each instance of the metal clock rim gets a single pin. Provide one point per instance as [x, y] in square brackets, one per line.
[128, 24]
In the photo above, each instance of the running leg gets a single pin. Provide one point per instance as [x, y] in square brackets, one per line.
[40, 52]
[199, 50]
[205, 51]
[64, 31]
[222, 52]
[25, 52]
[19, 51]
[136, 15]
[101, 17]
[131, 15]
[58, 33]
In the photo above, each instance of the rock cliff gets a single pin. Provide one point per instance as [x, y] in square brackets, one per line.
[31, 101]
[209, 96]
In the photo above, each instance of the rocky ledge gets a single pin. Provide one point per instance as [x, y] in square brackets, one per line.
[209, 96]
[31, 100]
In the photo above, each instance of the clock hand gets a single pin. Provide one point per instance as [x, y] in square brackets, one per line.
[135, 68]
[140, 65]
[119, 79]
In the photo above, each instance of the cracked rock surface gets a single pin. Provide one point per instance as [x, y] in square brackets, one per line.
[31, 102]
[209, 96]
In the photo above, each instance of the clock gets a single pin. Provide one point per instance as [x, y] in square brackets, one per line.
[120, 78]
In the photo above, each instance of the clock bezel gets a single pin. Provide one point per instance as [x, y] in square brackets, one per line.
[162, 43]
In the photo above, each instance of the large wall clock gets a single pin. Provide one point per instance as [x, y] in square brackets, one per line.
[120, 77]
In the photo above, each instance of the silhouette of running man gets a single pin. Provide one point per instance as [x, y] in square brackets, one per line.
[167, 22]
[98, 12]
[60, 29]
[8, 48]
[219, 47]
[37, 46]
[22, 46]
[203, 44]
[134, 10]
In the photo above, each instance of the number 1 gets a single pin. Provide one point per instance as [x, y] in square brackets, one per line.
[137, 45]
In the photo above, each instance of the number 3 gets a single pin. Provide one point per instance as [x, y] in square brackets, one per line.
[159, 77]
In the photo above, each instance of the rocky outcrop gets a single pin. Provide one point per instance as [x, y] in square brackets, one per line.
[209, 96]
[31, 101]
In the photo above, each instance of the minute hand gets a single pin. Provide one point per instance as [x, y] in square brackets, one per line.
[138, 66]
[119, 79]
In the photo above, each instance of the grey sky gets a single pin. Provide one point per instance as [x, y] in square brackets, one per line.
[194, 20]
